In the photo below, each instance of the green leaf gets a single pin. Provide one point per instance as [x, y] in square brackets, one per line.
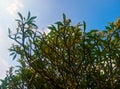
[12, 53]
[29, 32]
[28, 15]
[32, 18]
[52, 27]
[93, 31]
[34, 25]
[18, 20]
[112, 25]
[18, 37]
[20, 15]
[84, 26]
[14, 56]
[59, 23]
[64, 18]
[9, 31]
[110, 30]
[107, 27]
[30, 41]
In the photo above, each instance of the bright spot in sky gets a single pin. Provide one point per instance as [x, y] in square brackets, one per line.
[14, 6]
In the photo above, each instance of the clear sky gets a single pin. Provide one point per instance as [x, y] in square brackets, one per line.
[96, 13]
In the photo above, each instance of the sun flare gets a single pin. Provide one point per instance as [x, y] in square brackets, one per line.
[10, 6]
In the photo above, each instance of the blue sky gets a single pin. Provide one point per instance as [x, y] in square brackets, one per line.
[96, 13]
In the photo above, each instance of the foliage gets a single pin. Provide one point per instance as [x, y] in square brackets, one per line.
[67, 57]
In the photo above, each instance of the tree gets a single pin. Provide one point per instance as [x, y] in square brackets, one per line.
[67, 57]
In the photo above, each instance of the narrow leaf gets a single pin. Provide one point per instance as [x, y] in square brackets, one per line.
[59, 23]
[9, 31]
[14, 56]
[52, 27]
[64, 18]
[34, 25]
[107, 27]
[18, 20]
[32, 18]
[84, 26]
[20, 15]
[28, 15]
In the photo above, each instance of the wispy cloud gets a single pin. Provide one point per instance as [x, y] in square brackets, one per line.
[3, 68]
[14, 6]
[1, 36]
[3, 62]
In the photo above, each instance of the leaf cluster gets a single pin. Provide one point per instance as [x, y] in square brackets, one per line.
[67, 57]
